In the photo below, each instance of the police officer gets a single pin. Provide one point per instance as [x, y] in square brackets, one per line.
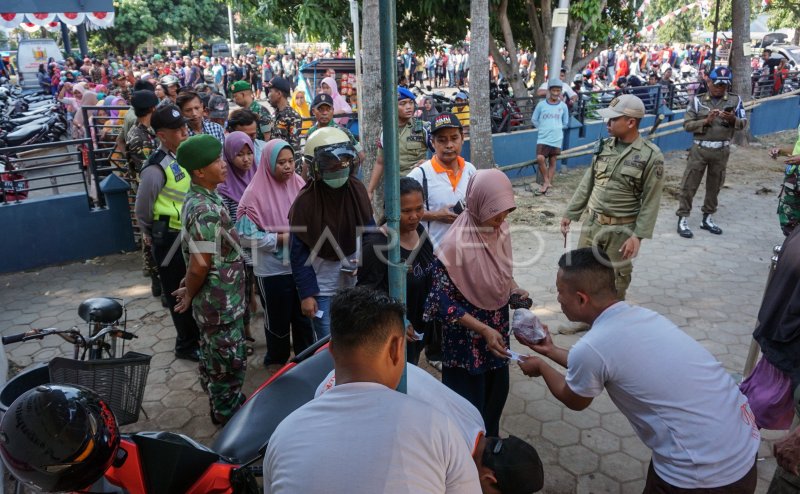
[713, 118]
[159, 199]
[412, 140]
[621, 191]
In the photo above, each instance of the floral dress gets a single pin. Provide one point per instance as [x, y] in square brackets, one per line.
[463, 347]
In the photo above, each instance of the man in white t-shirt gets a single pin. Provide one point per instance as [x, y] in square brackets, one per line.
[444, 177]
[679, 399]
[362, 435]
[513, 467]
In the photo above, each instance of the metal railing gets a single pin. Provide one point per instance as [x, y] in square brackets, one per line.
[764, 85]
[57, 166]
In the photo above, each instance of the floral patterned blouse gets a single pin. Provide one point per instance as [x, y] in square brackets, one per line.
[461, 346]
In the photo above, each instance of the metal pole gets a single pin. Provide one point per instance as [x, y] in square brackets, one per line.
[557, 47]
[714, 37]
[82, 40]
[230, 30]
[391, 174]
[65, 37]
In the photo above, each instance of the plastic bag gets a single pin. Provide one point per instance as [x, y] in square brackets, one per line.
[526, 325]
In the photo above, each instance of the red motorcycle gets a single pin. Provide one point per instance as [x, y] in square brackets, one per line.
[74, 441]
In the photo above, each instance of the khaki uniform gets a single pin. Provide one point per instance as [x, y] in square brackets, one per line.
[411, 144]
[710, 150]
[621, 192]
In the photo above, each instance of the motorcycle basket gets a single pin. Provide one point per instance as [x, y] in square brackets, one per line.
[119, 381]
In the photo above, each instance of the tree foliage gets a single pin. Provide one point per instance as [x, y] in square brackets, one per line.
[255, 28]
[679, 29]
[420, 23]
[134, 23]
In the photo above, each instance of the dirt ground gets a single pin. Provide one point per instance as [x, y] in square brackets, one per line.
[750, 171]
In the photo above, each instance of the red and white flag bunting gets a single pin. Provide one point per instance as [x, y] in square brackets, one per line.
[72, 18]
[31, 22]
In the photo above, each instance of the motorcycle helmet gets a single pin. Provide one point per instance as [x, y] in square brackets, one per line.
[577, 79]
[58, 437]
[169, 79]
[587, 73]
[329, 152]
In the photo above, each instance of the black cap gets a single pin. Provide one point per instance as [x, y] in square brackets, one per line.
[445, 121]
[167, 117]
[144, 99]
[322, 99]
[516, 465]
[281, 84]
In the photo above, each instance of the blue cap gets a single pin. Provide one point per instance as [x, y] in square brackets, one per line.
[721, 75]
[461, 95]
[404, 93]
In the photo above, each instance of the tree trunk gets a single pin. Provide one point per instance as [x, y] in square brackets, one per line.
[796, 39]
[740, 66]
[370, 100]
[190, 42]
[542, 35]
[511, 71]
[573, 46]
[481, 152]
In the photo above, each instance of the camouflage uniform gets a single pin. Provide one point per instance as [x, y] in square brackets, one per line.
[264, 124]
[287, 125]
[139, 145]
[219, 305]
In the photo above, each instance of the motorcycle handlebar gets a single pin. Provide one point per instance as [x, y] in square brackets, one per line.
[14, 338]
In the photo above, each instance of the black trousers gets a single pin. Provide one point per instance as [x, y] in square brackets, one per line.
[487, 391]
[171, 270]
[282, 304]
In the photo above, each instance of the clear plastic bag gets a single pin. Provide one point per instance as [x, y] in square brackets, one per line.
[526, 325]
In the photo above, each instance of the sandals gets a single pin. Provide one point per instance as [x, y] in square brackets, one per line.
[251, 349]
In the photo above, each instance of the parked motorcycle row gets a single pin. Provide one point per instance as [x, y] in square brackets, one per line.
[29, 117]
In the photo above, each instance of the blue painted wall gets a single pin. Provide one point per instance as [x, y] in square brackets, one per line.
[57, 229]
[518, 147]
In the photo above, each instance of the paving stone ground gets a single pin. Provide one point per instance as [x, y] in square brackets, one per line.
[710, 286]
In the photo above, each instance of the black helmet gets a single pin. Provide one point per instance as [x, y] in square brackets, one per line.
[58, 438]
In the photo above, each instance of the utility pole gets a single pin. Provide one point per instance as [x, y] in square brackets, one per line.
[560, 19]
[230, 30]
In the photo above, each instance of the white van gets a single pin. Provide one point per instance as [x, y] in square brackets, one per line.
[31, 53]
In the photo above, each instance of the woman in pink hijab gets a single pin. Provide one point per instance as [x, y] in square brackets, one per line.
[340, 104]
[263, 227]
[472, 284]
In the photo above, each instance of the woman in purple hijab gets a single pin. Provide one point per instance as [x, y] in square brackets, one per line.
[239, 157]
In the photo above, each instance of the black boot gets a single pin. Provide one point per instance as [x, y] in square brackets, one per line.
[683, 228]
[708, 224]
[155, 286]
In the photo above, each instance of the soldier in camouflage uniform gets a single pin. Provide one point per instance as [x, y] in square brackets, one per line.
[139, 145]
[287, 123]
[215, 277]
[621, 191]
[243, 96]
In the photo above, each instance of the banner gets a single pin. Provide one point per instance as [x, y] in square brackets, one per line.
[72, 18]
[101, 19]
[10, 20]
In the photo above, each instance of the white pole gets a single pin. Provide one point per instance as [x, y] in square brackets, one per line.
[357, 55]
[230, 30]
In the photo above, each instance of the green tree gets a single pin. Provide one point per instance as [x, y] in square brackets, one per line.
[134, 23]
[784, 13]
[189, 20]
[255, 28]
[679, 29]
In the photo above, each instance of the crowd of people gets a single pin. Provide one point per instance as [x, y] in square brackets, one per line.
[236, 212]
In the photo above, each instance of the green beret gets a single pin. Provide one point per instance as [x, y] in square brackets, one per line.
[240, 86]
[198, 151]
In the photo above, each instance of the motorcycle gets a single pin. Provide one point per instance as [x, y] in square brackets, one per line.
[167, 462]
[503, 109]
[30, 118]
